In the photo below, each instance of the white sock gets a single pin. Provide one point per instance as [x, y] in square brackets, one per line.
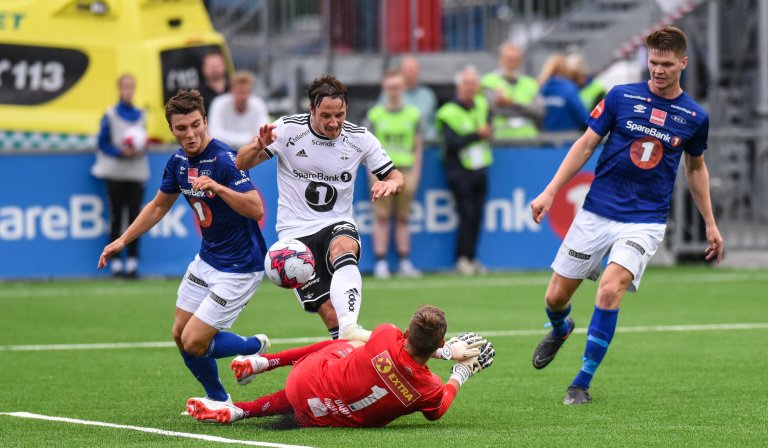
[131, 264]
[116, 264]
[346, 295]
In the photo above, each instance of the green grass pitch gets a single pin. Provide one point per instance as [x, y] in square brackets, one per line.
[663, 383]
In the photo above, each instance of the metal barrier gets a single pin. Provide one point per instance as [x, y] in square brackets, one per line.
[737, 160]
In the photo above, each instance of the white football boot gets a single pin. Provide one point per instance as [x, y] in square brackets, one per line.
[247, 367]
[207, 410]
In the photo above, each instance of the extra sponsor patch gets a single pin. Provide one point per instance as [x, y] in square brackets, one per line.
[385, 367]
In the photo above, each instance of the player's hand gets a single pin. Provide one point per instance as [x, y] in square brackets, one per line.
[206, 184]
[115, 247]
[485, 132]
[267, 136]
[540, 206]
[383, 188]
[461, 348]
[715, 248]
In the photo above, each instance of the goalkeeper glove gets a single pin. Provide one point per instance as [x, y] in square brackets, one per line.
[461, 348]
[462, 371]
[485, 358]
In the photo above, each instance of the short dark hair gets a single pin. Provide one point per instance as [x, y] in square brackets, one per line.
[183, 103]
[668, 39]
[326, 86]
[426, 330]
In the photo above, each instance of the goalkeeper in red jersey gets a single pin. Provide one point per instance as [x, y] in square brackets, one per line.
[355, 384]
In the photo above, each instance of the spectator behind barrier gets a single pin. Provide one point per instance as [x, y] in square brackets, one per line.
[235, 117]
[564, 109]
[512, 97]
[215, 78]
[399, 128]
[121, 160]
[418, 95]
[591, 91]
[464, 123]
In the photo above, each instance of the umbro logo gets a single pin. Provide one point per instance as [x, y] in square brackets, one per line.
[344, 157]
[301, 153]
[639, 108]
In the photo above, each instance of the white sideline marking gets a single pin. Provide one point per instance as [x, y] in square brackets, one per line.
[161, 432]
[307, 340]
[446, 282]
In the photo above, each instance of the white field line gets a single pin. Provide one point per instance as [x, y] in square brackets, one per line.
[447, 282]
[308, 340]
[161, 432]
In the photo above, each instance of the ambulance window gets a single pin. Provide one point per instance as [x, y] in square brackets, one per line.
[182, 68]
[35, 75]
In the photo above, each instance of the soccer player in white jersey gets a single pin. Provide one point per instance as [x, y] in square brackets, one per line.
[318, 157]
[652, 125]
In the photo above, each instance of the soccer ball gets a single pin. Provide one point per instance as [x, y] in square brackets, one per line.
[289, 264]
[136, 138]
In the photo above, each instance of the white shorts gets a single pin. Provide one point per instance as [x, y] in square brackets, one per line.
[592, 237]
[216, 297]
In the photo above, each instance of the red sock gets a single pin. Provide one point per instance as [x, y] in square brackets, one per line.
[272, 404]
[290, 356]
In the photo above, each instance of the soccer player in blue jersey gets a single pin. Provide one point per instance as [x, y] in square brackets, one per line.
[230, 265]
[652, 125]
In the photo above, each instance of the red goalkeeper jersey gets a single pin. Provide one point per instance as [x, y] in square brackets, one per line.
[368, 386]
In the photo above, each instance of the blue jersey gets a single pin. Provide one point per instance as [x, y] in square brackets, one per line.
[231, 242]
[636, 171]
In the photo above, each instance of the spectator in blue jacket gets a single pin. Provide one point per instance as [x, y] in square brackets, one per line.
[564, 108]
[121, 161]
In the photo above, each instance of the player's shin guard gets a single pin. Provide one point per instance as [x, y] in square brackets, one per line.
[346, 290]
[599, 336]
[225, 344]
[206, 371]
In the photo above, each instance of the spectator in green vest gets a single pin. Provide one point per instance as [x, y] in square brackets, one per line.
[399, 128]
[417, 94]
[464, 123]
[512, 96]
[591, 91]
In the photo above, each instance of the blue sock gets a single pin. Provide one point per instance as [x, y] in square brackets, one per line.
[559, 325]
[206, 371]
[599, 336]
[226, 344]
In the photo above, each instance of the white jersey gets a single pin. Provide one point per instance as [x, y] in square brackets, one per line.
[316, 175]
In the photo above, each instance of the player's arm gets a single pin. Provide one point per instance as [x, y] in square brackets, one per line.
[393, 183]
[253, 153]
[698, 181]
[150, 215]
[577, 156]
[246, 203]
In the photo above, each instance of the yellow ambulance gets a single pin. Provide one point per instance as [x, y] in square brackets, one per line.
[60, 61]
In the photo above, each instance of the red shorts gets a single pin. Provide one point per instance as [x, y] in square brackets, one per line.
[305, 381]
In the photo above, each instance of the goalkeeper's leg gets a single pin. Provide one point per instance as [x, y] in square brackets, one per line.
[272, 404]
